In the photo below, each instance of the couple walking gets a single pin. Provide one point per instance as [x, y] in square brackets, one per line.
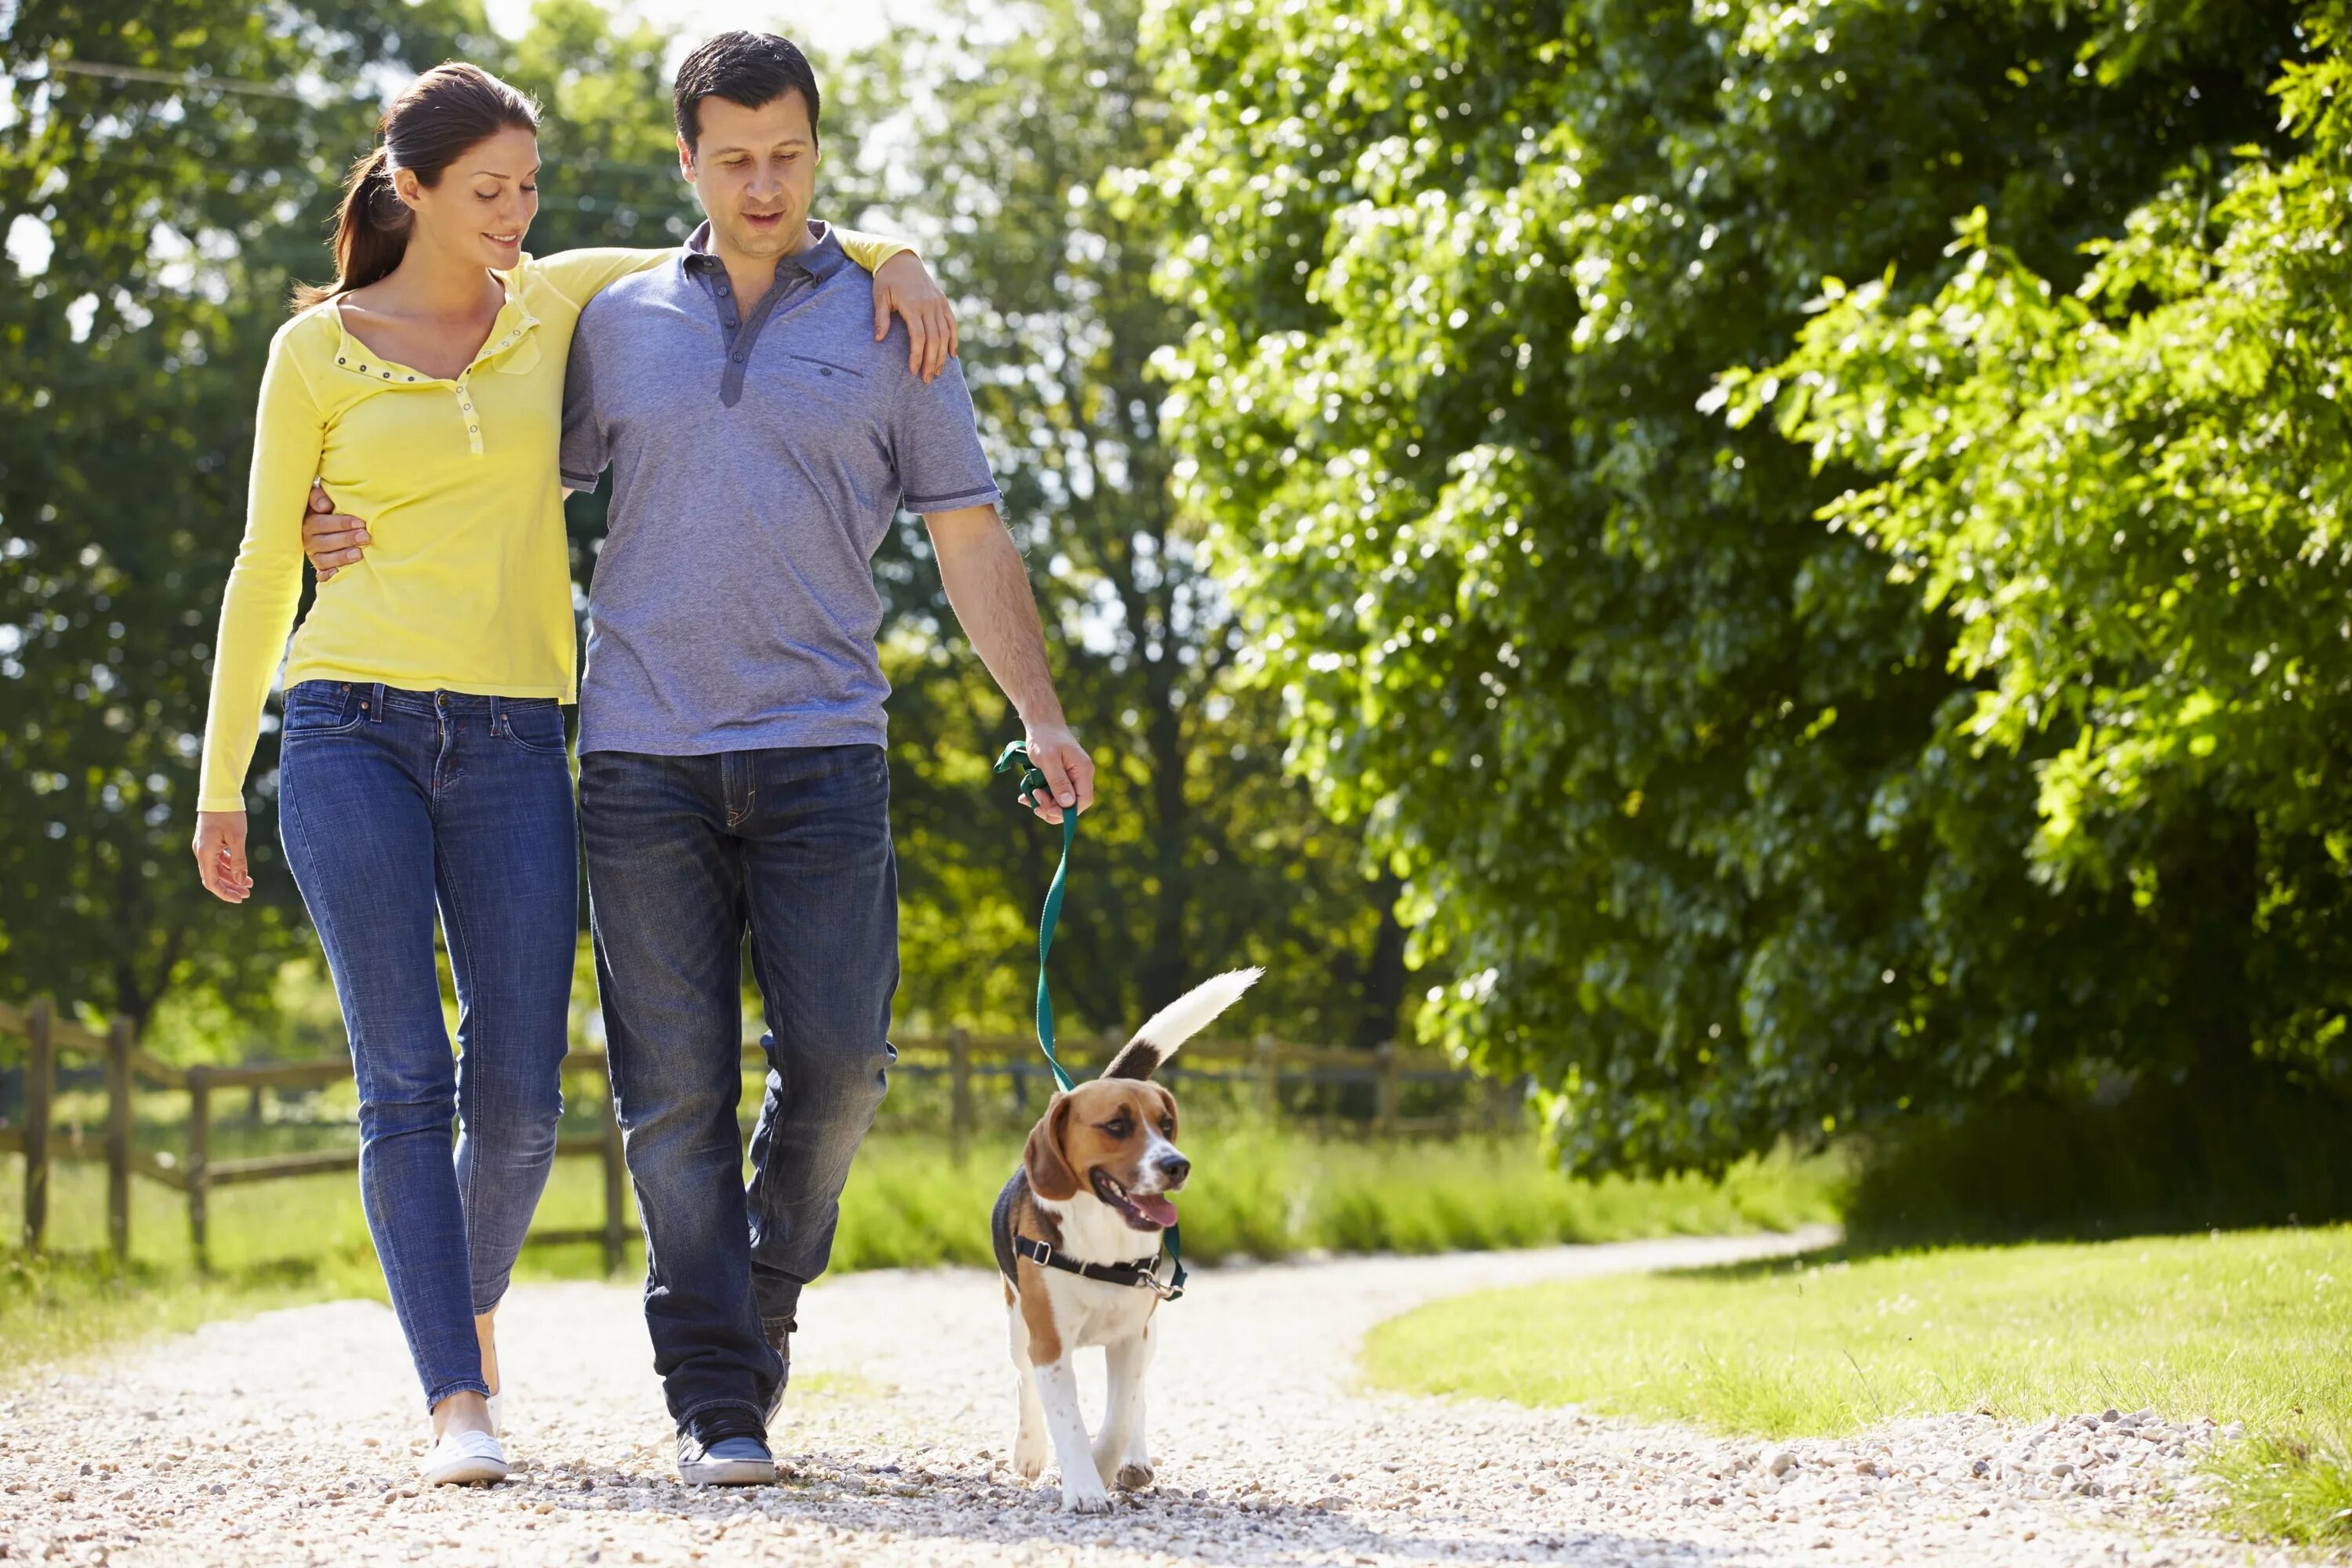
[765, 419]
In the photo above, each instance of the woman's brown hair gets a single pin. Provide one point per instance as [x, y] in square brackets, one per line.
[440, 114]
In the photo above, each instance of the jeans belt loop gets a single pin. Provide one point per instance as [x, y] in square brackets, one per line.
[496, 712]
[375, 702]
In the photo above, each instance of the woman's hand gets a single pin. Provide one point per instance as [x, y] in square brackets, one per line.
[220, 856]
[900, 284]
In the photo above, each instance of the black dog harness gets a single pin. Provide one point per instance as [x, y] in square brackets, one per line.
[1142, 1273]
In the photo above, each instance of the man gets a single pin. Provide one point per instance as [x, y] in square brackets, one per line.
[731, 767]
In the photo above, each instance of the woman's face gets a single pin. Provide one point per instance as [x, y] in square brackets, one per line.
[482, 207]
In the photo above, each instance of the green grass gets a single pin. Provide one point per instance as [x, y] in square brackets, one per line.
[2249, 1326]
[1271, 1196]
[908, 1204]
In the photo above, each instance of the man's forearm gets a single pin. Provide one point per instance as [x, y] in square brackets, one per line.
[988, 584]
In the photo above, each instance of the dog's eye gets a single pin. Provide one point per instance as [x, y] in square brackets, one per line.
[1168, 1127]
[1122, 1128]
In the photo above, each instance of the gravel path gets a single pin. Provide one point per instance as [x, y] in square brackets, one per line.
[288, 1439]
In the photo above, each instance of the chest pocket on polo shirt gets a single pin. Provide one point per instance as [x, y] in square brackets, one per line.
[522, 359]
[807, 364]
[822, 389]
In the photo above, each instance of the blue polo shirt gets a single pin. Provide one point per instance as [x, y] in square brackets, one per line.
[760, 450]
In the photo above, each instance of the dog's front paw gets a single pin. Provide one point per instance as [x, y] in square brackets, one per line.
[1029, 1455]
[1078, 1499]
[1133, 1477]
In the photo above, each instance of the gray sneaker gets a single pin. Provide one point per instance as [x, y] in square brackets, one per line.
[725, 1449]
[779, 1334]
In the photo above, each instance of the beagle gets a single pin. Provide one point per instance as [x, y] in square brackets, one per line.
[1076, 1234]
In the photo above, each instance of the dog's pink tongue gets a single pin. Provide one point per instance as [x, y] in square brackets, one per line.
[1155, 1208]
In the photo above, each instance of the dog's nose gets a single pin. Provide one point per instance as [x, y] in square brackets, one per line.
[1174, 1168]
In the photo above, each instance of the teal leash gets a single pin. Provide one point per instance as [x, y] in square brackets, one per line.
[1034, 792]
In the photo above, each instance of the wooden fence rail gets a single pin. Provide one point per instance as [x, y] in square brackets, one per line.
[1265, 1064]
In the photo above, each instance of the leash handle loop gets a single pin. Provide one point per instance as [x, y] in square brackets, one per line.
[1034, 792]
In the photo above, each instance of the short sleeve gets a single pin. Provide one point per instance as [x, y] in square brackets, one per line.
[584, 452]
[935, 445]
[580, 275]
[870, 250]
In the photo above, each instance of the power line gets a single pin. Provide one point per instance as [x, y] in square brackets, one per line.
[178, 78]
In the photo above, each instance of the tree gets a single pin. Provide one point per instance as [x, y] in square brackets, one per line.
[1666, 763]
[2131, 497]
[1201, 855]
[161, 175]
[167, 174]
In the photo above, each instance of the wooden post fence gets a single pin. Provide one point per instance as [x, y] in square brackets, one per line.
[117, 1138]
[616, 1176]
[40, 1090]
[1260, 1068]
[960, 1116]
[200, 1164]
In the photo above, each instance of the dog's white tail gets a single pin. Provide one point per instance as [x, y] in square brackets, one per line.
[1179, 1021]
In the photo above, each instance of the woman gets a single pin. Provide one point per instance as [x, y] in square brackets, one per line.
[422, 757]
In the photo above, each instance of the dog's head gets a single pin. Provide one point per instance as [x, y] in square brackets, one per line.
[1114, 1139]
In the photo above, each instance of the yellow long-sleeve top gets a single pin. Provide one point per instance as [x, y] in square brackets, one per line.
[466, 584]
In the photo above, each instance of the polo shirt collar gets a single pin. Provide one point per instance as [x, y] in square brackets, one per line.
[819, 259]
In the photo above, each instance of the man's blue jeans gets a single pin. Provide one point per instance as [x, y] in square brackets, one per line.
[685, 856]
[391, 803]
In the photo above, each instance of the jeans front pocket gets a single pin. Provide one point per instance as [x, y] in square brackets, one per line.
[534, 724]
[320, 708]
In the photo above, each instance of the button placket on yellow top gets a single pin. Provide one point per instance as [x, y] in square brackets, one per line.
[355, 356]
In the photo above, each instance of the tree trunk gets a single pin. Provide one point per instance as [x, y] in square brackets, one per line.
[1384, 972]
[1164, 979]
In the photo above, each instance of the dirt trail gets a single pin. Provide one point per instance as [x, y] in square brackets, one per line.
[291, 1438]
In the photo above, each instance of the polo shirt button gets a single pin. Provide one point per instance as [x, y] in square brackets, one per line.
[739, 359]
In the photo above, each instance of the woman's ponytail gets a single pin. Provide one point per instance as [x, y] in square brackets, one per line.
[370, 231]
[447, 110]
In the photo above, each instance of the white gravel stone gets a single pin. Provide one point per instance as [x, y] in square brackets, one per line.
[290, 1439]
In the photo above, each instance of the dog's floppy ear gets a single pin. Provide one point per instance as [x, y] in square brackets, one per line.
[1050, 1174]
[1177, 1023]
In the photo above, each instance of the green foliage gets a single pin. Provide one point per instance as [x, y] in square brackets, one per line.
[1201, 855]
[1668, 765]
[2165, 1158]
[162, 168]
[2129, 497]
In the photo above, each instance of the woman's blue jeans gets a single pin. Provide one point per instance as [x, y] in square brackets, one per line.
[391, 804]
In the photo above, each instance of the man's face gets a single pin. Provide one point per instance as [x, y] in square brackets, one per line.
[754, 171]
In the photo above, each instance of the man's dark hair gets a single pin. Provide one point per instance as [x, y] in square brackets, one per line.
[749, 69]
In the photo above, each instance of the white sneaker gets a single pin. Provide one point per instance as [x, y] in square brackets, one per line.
[463, 1458]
